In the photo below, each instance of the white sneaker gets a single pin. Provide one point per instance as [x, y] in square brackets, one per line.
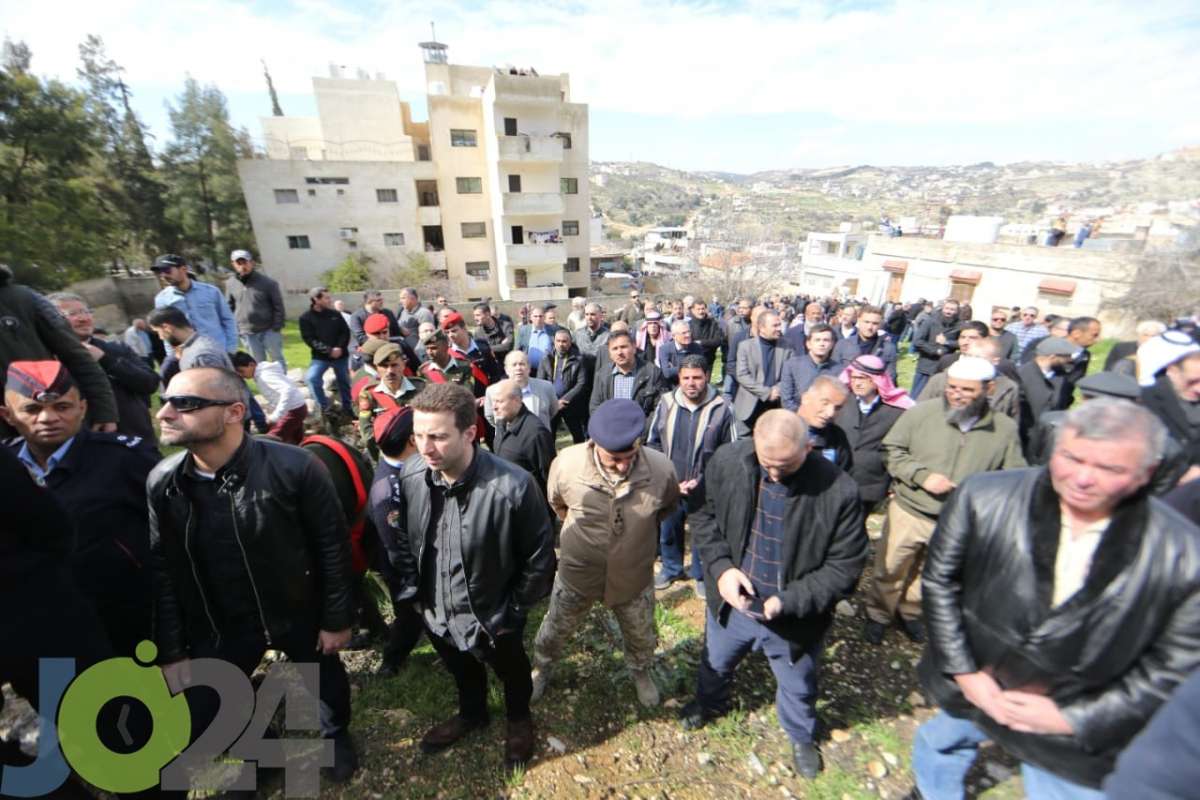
[647, 692]
[540, 677]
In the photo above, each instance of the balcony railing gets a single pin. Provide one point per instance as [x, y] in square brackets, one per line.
[526, 149]
[520, 255]
[533, 203]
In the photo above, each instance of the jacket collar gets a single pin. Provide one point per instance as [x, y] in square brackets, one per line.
[683, 402]
[1118, 547]
[590, 474]
[230, 476]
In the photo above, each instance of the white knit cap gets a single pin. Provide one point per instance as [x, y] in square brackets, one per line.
[1160, 352]
[971, 368]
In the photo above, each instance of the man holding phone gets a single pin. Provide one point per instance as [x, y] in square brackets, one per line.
[781, 543]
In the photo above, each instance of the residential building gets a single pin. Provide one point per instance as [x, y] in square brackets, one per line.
[831, 262]
[665, 250]
[492, 191]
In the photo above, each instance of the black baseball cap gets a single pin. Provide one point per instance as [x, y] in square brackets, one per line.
[167, 262]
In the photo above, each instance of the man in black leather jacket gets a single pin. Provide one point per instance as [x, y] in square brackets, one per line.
[249, 551]
[1062, 606]
[472, 543]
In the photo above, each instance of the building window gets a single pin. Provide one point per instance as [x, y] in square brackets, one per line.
[478, 269]
[427, 193]
[386, 195]
[568, 185]
[474, 230]
[312, 192]
[287, 196]
[572, 264]
[570, 227]
[298, 243]
[566, 139]
[462, 138]
[510, 126]
[327, 181]
[423, 152]
[341, 192]
[514, 183]
[469, 185]
[393, 240]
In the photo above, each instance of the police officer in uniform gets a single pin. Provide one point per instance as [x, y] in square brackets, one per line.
[99, 479]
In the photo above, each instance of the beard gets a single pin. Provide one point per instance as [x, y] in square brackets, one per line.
[973, 410]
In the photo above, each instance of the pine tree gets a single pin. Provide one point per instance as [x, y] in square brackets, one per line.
[128, 181]
[205, 198]
[53, 228]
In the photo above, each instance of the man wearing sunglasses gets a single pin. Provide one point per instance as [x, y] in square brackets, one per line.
[1006, 339]
[249, 550]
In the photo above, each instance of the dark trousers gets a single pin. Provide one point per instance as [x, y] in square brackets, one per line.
[670, 545]
[576, 424]
[507, 657]
[796, 682]
[919, 381]
[301, 648]
[403, 634]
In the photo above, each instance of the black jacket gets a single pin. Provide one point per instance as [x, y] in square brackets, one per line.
[31, 329]
[823, 555]
[1108, 656]
[507, 541]
[574, 379]
[924, 341]
[865, 434]
[528, 443]
[256, 303]
[360, 316]
[1164, 402]
[132, 383]
[648, 384]
[290, 524]
[1038, 395]
[322, 330]
[708, 334]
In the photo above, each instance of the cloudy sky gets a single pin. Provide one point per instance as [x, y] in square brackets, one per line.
[704, 85]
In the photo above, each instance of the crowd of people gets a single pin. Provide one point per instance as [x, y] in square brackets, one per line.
[1039, 515]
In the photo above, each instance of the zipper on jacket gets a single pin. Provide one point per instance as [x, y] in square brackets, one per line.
[257, 599]
[467, 578]
[187, 547]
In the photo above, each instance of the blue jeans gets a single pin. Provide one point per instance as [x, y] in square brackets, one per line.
[670, 544]
[944, 749]
[919, 381]
[265, 346]
[796, 682]
[341, 370]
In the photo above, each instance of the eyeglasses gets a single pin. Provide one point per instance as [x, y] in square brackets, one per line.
[999, 319]
[186, 403]
[79, 312]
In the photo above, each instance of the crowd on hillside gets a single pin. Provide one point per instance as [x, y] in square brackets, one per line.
[1039, 513]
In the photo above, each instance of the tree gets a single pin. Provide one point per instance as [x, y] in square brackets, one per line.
[1165, 283]
[353, 274]
[52, 226]
[416, 271]
[127, 180]
[205, 196]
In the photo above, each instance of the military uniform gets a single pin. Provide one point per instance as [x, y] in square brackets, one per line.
[375, 399]
[455, 372]
[100, 482]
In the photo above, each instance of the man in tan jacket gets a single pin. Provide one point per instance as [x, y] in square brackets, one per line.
[611, 494]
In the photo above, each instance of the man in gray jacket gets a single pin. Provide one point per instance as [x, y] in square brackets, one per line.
[257, 306]
[760, 362]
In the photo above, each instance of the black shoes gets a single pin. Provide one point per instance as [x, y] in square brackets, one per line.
[345, 759]
[807, 759]
[874, 631]
[914, 629]
[447, 733]
[692, 717]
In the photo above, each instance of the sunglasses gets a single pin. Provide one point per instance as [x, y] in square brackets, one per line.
[999, 319]
[186, 403]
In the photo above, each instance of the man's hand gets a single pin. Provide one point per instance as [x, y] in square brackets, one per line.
[688, 485]
[329, 642]
[560, 404]
[733, 586]
[95, 352]
[105, 427]
[1034, 713]
[774, 395]
[937, 483]
[773, 607]
[336, 352]
[178, 675]
[1192, 474]
[940, 338]
[982, 691]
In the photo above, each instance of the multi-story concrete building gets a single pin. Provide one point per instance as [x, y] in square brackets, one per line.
[665, 250]
[492, 190]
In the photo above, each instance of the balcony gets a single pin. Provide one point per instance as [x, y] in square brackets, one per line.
[429, 215]
[538, 294]
[525, 149]
[521, 255]
[533, 203]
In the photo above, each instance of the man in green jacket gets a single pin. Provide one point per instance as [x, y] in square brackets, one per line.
[929, 451]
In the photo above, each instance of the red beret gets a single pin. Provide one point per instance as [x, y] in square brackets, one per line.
[43, 381]
[450, 320]
[393, 428]
[376, 323]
